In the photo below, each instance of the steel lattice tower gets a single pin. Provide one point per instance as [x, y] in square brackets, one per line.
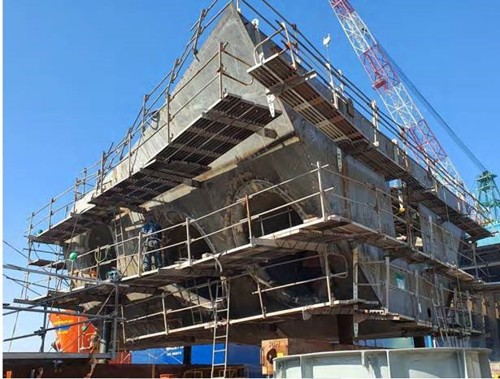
[488, 195]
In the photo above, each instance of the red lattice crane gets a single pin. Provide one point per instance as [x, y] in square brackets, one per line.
[387, 82]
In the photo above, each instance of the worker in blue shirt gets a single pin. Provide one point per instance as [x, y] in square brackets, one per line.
[152, 242]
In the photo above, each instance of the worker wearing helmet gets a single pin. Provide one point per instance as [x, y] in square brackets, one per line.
[152, 242]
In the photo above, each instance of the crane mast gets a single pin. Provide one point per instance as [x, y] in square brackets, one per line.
[398, 101]
[489, 195]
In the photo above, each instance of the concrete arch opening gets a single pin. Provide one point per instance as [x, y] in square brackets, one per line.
[175, 236]
[296, 267]
[276, 215]
[101, 236]
[176, 250]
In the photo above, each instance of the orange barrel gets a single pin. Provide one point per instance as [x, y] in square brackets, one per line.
[70, 337]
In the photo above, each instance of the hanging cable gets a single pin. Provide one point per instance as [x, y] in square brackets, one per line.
[437, 116]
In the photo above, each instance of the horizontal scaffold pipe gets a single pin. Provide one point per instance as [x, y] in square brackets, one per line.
[62, 276]
[52, 311]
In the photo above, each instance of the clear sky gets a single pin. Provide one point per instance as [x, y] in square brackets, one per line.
[75, 72]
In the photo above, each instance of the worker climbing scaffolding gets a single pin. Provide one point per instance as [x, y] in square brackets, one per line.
[152, 243]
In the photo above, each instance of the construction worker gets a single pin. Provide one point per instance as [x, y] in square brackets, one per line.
[152, 242]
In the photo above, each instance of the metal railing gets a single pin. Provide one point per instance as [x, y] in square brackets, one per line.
[180, 320]
[301, 51]
[378, 212]
[318, 200]
[425, 294]
[323, 190]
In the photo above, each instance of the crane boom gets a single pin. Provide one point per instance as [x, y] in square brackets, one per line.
[397, 99]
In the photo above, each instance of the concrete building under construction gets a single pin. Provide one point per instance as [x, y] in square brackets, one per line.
[290, 206]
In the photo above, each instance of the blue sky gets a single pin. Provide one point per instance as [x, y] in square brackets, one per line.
[75, 73]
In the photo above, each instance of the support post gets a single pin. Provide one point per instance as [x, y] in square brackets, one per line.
[387, 281]
[129, 143]
[43, 333]
[220, 70]
[143, 124]
[75, 197]
[375, 118]
[139, 254]
[375, 122]
[484, 312]
[188, 241]
[456, 310]
[408, 217]
[169, 98]
[249, 219]
[431, 231]
[321, 192]
[289, 46]
[417, 296]
[105, 335]
[328, 278]
[474, 257]
[85, 174]
[115, 323]
[377, 209]
[261, 299]
[50, 212]
[341, 82]
[123, 325]
[30, 233]
[101, 174]
[336, 100]
[442, 306]
[164, 306]
[98, 264]
[355, 273]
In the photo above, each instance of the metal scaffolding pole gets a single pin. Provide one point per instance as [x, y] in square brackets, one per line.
[44, 330]
[30, 309]
[42, 344]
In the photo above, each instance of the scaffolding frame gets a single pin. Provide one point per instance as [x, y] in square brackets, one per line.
[313, 235]
[93, 180]
[430, 249]
[309, 63]
[297, 47]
